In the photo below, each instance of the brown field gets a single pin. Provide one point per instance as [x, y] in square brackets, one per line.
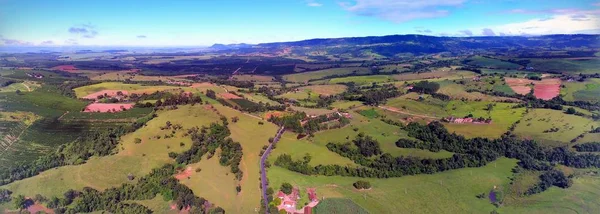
[544, 89]
[67, 68]
[445, 73]
[110, 93]
[184, 174]
[229, 96]
[107, 107]
[547, 89]
[273, 114]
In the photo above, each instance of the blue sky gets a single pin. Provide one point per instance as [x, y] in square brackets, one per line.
[205, 22]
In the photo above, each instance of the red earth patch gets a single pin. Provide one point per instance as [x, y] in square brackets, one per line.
[229, 96]
[65, 68]
[108, 107]
[547, 89]
[184, 174]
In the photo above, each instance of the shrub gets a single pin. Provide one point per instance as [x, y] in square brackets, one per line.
[362, 185]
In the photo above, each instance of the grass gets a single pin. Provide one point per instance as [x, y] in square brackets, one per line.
[343, 104]
[312, 111]
[299, 148]
[439, 74]
[131, 88]
[312, 75]
[109, 171]
[253, 78]
[338, 205]
[128, 115]
[457, 91]
[362, 80]
[565, 65]
[582, 197]
[502, 114]
[157, 204]
[21, 86]
[369, 113]
[446, 192]
[534, 123]
[255, 97]
[491, 63]
[582, 91]
[385, 134]
[410, 103]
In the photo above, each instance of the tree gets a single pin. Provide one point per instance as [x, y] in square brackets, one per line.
[235, 119]
[362, 184]
[138, 141]
[20, 202]
[286, 188]
[571, 110]
[211, 94]
[18, 92]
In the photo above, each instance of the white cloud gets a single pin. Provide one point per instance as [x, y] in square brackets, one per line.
[557, 24]
[312, 3]
[401, 10]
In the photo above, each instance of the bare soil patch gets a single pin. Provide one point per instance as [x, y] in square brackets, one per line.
[184, 174]
[547, 89]
[108, 107]
[202, 84]
[67, 68]
[229, 96]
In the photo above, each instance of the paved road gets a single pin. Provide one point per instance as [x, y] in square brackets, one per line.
[263, 171]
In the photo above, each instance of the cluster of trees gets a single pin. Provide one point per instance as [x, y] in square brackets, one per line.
[178, 99]
[531, 101]
[362, 184]
[4, 83]
[66, 88]
[588, 147]
[379, 95]
[548, 179]
[5, 195]
[249, 106]
[425, 87]
[474, 152]
[311, 125]
[206, 141]
[159, 181]
[97, 143]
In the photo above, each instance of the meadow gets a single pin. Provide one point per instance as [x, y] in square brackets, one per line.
[491, 63]
[588, 66]
[502, 115]
[446, 192]
[536, 121]
[313, 91]
[131, 88]
[438, 74]
[362, 80]
[312, 75]
[582, 91]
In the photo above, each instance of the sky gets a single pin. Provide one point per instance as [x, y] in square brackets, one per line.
[205, 22]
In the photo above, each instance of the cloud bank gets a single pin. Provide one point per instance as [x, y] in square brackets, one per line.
[401, 10]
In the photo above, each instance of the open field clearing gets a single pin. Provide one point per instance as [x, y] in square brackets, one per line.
[132, 76]
[313, 91]
[338, 205]
[537, 121]
[427, 106]
[456, 91]
[312, 75]
[445, 192]
[439, 74]
[26, 86]
[165, 59]
[588, 66]
[110, 171]
[108, 107]
[589, 90]
[312, 111]
[502, 115]
[362, 80]
[346, 104]
[491, 63]
[519, 86]
[253, 78]
[118, 86]
[386, 134]
[289, 144]
[545, 89]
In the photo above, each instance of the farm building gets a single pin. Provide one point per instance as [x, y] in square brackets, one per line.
[289, 202]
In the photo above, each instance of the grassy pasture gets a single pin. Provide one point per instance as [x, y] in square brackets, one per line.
[298, 148]
[566, 66]
[108, 171]
[410, 103]
[312, 111]
[439, 74]
[346, 104]
[130, 75]
[491, 63]
[131, 114]
[307, 76]
[253, 78]
[446, 192]
[457, 91]
[535, 122]
[21, 86]
[131, 88]
[338, 205]
[582, 91]
[386, 134]
[362, 80]
[503, 116]
[313, 91]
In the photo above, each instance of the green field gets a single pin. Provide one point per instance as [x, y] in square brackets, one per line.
[313, 92]
[427, 106]
[346, 104]
[338, 205]
[362, 80]
[131, 88]
[588, 66]
[456, 91]
[386, 134]
[535, 122]
[298, 148]
[491, 63]
[312, 75]
[109, 171]
[446, 192]
[502, 114]
[582, 91]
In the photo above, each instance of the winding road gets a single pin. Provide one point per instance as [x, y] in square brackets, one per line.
[263, 171]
